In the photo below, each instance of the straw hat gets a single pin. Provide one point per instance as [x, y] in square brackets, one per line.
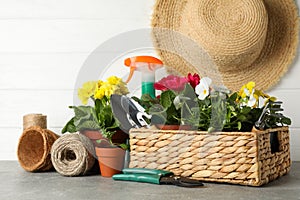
[247, 40]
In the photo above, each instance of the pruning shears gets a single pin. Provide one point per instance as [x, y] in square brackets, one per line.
[155, 176]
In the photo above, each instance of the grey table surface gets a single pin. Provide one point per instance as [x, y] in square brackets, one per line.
[17, 184]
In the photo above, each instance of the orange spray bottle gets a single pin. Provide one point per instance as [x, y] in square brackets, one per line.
[147, 65]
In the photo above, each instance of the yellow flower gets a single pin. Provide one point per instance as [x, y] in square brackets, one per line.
[242, 92]
[247, 90]
[100, 83]
[121, 88]
[113, 85]
[113, 80]
[273, 99]
[99, 93]
[250, 86]
[87, 91]
[106, 89]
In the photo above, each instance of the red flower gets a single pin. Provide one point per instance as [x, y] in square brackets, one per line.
[171, 82]
[194, 80]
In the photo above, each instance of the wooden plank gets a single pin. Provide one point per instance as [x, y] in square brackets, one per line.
[57, 71]
[44, 71]
[62, 35]
[79, 9]
[16, 103]
[43, 68]
[30, 69]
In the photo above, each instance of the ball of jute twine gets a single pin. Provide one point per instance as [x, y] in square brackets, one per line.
[34, 149]
[34, 120]
[73, 155]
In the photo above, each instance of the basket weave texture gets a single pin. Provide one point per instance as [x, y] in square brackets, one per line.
[243, 158]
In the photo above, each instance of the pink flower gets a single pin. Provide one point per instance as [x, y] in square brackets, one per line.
[194, 80]
[171, 82]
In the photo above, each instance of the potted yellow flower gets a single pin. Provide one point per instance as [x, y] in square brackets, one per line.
[97, 122]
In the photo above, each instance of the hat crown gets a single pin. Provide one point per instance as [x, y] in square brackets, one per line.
[232, 31]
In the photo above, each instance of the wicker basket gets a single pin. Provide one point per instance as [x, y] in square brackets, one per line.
[242, 158]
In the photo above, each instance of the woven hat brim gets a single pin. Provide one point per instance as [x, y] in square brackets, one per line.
[277, 55]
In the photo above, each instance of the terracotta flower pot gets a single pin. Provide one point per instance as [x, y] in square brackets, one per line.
[173, 127]
[111, 160]
[94, 136]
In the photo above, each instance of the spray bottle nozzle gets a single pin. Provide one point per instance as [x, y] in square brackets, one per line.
[147, 65]
[144, 64]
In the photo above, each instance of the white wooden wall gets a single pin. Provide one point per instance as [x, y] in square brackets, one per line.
[43, 44]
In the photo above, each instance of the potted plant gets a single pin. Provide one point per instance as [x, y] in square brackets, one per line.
[111, 156]
[96, 121]
[191, 103]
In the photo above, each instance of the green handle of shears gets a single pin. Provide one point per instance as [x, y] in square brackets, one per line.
[147, 171]
[143, 178]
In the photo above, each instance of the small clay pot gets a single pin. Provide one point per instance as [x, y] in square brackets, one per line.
[173, 127]
[111, 160]
[94, 136]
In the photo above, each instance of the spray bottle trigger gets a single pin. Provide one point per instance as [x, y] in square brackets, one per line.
[132, 69]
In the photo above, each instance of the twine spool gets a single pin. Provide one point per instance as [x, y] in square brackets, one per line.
[34, 149]
[73, 155]
[34, 120]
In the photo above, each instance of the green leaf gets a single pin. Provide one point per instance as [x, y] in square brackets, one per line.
[286, 121]
[146, 98]
[88, 125]
[167, 98]
[189, 91]
[98, 106]
[246, 110]
[124, 146]
[242, 117]
[211, 129]
[69, 127]
[82, 111]
[233, 97]
[239, 125]
[113, 126]
[138, 99]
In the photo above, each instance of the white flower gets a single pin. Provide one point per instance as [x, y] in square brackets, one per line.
[202, 89]
[252, 100]
[177, 102]
[246, 91]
